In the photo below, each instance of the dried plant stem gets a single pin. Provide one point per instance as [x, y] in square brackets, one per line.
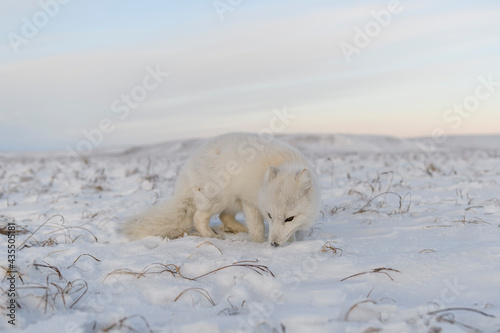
[41, 226]
[461, 309]
[201, 291]
[175, 270]
[210, 243]
[375, 270]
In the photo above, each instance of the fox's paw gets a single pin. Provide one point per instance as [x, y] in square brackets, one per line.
[210, 233]
[217, 236]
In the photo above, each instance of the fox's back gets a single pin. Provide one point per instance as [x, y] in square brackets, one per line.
[237, 162]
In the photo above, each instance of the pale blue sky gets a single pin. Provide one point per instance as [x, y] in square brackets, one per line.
[229, 75]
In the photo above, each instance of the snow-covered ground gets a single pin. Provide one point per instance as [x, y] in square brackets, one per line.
[408, 240]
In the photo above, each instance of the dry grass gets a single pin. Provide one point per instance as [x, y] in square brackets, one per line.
[427, 251]
[9, 273]
[150, 269]
[200, 291]
[20, 230]
[346, 318]
[377, 196]
[401, 209]
[175, 271]
[447, 316]
[233, 310]
[250, 264]
[122, 324]
[209, 243]
[372, 330]
[81, 255]
[337, 209]
[461, 309]
[53, 290]
[381, 270]
[60, 231]
[328, 247]
[54, 268]
[431, 169]
[473, 220]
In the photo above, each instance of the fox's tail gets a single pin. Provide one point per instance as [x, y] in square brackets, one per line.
[170, 219]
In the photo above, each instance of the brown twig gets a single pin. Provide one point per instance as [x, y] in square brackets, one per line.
[120, 323]
[210, 243]
[54, 268]
[201, 291]
[375, 270]
[259, 269]
[461, 309]
[356, 305]
[43, 224]
[175, 270]
[328, 247]
[170, 268]
[81, 255]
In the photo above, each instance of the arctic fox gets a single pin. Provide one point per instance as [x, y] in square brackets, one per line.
[237, 172]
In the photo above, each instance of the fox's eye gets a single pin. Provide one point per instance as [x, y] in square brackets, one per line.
[269, 216]
[290, 219]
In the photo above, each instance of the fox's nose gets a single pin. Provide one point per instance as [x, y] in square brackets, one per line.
[275, 244]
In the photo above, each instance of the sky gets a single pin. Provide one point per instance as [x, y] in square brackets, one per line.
[77, 75]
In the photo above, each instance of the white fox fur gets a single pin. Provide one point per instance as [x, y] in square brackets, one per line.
[232, 173]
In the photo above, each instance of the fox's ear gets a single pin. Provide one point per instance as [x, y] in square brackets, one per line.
[272, 172]
[304, 180]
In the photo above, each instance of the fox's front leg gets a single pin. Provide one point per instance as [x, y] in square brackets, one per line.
[255, 223]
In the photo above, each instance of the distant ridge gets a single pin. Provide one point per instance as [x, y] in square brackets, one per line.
[323, 144]
[329, 144]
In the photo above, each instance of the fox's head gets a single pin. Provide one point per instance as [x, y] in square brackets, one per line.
[288, 200]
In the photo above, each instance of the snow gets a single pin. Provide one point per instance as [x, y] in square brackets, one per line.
[411, 240]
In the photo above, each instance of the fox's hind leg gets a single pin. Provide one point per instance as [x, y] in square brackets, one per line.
[230, 224]
[202, 224]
